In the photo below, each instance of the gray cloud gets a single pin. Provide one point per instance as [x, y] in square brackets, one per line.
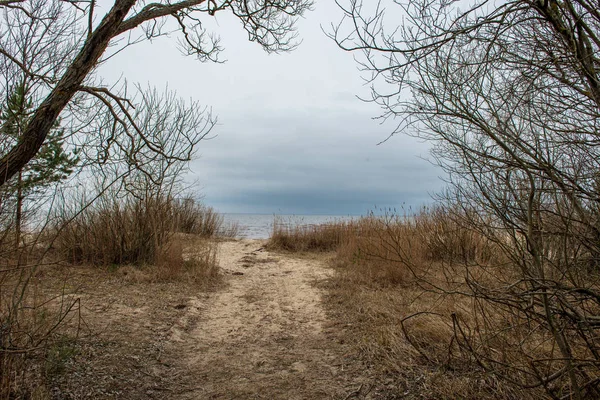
[324, 165]
[292, 136]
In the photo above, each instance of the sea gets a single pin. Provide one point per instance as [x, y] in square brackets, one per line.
[260, 226]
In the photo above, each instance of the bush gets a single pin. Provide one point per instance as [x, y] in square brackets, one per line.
[130, 230]
[115, 231]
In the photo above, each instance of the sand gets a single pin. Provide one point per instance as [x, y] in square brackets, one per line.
[263, 333]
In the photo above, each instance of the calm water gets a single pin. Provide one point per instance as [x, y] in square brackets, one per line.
[260, 226]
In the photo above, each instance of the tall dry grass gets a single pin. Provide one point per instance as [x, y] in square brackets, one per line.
[399, 282]
[115, 231]
[193, 217]
[290, 236]
[132, 231]
[400, 285]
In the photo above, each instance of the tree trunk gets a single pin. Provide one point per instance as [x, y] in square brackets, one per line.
[19, 214]
[45, 116]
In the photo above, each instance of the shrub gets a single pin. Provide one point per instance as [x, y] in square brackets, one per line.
[131, 230]
[115, 231]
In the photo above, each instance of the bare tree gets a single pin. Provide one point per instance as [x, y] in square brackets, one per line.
[138, 177]
[58, 45]
[510, 95]
[131, 142]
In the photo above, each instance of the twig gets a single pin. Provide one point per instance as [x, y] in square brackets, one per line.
[355, 393]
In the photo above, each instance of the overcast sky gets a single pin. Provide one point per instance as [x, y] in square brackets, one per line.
[292, 137]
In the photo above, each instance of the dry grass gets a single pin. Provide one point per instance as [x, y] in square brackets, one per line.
[114, 231]
[188, 258]
[138, 239]
[289, 236]
[398, 284]
[40, 324]
[132, 231]
[196, 218]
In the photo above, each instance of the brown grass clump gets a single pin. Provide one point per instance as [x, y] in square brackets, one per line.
[137, 231]
[187, 257]
[298, 238]
[194, 217]
[134, 231]
[115, 232]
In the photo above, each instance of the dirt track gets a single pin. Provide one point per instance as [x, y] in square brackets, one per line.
[264, 335]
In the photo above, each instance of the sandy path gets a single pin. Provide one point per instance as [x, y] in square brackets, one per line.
[264, 335]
